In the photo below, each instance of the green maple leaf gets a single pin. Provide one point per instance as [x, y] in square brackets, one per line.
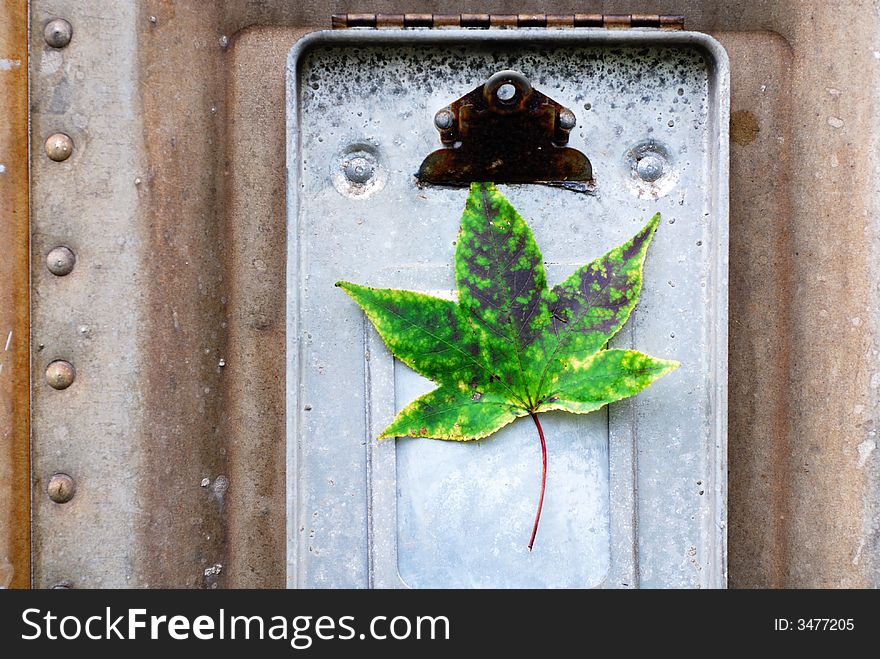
[511, 347]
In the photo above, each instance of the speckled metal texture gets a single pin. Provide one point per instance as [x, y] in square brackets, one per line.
[636, 493]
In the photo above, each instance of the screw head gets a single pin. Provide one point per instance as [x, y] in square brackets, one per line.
[59, 147]
[359, 169]
[60, 261]
[444, 119]
[650, 167]
[60, 374]
[58, 33]
[61, 488]
[567, 120]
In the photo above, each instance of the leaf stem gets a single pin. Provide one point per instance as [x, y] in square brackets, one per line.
[543, 478]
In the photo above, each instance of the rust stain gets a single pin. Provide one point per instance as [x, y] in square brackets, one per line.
[14, 295]
[744, 127]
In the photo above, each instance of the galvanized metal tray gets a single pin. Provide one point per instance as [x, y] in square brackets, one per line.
[637, 492]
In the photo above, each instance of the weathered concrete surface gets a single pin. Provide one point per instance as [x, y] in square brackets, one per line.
[15, 566]
[202, 268]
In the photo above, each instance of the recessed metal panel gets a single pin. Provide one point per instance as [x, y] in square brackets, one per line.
[636, 492]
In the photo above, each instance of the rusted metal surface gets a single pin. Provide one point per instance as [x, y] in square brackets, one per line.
[760, 307]
[195, 195]
[826, 463]
[505, 131]
[255, 226]
[185, 441]
[15, 570]
[485, 21]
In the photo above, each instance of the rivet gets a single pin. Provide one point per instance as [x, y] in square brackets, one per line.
[567, 120]
[58, 33]
[60, 261]
[60, 374]
[62, 585]
[359, 169]
[650, 167]
[61, 488]
[444, 119]
[59, 147]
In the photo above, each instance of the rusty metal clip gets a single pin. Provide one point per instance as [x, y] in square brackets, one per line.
[506, 131]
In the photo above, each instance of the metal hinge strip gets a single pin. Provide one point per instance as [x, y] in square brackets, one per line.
[486, 21]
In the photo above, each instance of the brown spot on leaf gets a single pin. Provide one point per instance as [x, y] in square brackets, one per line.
[744, 127]
[423, 431]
